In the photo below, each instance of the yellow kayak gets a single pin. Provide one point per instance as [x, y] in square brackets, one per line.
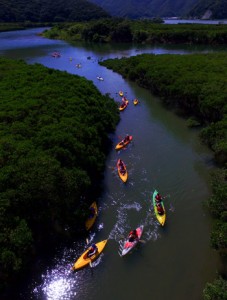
[161, 218]
[135, 101]
[91, 220]
[121, 93]
[83, 260]
[123, 174]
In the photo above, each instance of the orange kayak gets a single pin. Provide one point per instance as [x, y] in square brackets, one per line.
[123, 143]
[122, 171]
[91, 220]
[123, 105]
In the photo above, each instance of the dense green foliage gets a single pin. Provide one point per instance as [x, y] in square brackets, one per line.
[218, 207]
[54, 139]
[218, 9]
[146, 8]
[216, 290]
[49, 11]
[146, 31]
[195, 84]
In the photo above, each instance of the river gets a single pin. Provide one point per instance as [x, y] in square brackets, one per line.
[173, 262]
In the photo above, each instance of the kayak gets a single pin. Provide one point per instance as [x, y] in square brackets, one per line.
[91, 220]
[121, 93]
[123, 105]
[135, 101]
[128, 246]
[161, 218]
[122, 174]
[83, 260]
[100, 78]
[124, 100]
[123, 143]
[56, 54]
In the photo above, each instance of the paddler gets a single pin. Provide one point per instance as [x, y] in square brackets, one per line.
[92, 250]
[160, 209]
[132, 236]
[158, 198]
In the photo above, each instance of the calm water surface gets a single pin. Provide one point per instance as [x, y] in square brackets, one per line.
[172, 263]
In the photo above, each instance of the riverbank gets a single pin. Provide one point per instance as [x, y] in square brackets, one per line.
[23, 25]
[143, 31]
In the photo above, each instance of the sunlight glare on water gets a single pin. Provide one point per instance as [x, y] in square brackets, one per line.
[57, 286]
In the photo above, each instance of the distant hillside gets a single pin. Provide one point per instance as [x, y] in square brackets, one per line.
[49, 11]
[209, 9]
[146, 8]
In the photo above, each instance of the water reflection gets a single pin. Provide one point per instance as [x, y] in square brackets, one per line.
[57, 288]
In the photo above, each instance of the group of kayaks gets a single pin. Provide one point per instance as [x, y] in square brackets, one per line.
[125, 101]
[128, 244]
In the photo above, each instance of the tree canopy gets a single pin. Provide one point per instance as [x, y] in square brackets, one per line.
[54, 139]
[49, 11]
[140, 31]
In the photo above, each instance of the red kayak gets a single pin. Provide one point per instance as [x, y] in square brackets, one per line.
[128, 246]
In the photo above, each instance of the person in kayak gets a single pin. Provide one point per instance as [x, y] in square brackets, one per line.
[160, 209]
[92, 250]
[123, 105]
[92, 212]
[132, 236]
[127, 138]
[158, 198]
[121, 165]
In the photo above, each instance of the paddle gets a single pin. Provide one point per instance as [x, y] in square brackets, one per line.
[121, 237]
[164, 197]
[90, 264]
[112, 168]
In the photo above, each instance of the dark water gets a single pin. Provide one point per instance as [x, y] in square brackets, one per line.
[174, 262]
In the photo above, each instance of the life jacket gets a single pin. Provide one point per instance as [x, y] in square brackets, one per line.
[158, 197]
[160, 210]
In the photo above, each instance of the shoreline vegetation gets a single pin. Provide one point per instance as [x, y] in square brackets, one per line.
[139, 32]
[24, 25]
[54, 141]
